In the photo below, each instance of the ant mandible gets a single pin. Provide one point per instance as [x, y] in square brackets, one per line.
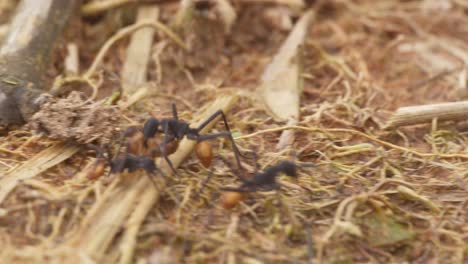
[175, 129]
[129, 162]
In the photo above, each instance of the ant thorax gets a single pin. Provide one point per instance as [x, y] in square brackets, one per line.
[118, 165]
[176, 128]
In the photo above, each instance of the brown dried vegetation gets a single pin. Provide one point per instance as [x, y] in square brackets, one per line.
[377, 196]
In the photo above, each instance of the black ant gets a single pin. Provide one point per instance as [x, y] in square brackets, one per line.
[127, 162]
[175, 130]
[261, 181]
[266, 180]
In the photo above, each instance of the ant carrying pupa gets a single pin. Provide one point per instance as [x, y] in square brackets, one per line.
[173, 130]
[126, 162]
[260, 181]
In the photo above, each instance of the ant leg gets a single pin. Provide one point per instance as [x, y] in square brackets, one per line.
[242, 178]
[161, 172]
[228, 129]
[174, 111]
[163, 149]
[212, 117]
[272, 186]
[239, 190]
[100, 155]
[257, 167]
[150, 176]
[99, 151]
[203, 184]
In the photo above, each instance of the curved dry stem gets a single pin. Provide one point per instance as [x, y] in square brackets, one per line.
[124, 32]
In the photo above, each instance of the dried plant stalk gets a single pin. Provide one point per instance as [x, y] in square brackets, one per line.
[34, 166]
[411, 115]
[95, 7]
[3, 31]
[72, 61]
[228, 14]
[185, 8]
[134, 70]
[132, 196]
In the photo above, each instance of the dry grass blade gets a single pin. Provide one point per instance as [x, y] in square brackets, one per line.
[132, 196]
[410, 194]
[34, 166]
[412, 115]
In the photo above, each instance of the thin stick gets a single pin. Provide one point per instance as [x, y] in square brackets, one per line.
[134, 70]
[412, 115]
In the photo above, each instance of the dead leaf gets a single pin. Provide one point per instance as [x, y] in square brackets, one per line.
[280, 88]
[385, 230]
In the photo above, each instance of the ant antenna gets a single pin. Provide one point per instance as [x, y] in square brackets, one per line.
[255, 159]
[174, 111]
[203, 184]
[240, 173]
[151, 175]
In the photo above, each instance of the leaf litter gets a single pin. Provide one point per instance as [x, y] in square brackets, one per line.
[376, 196]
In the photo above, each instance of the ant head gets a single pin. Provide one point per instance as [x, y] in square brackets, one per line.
[150, 128]
[289, 168]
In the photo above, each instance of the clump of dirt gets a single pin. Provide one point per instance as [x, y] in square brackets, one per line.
[73, 118]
